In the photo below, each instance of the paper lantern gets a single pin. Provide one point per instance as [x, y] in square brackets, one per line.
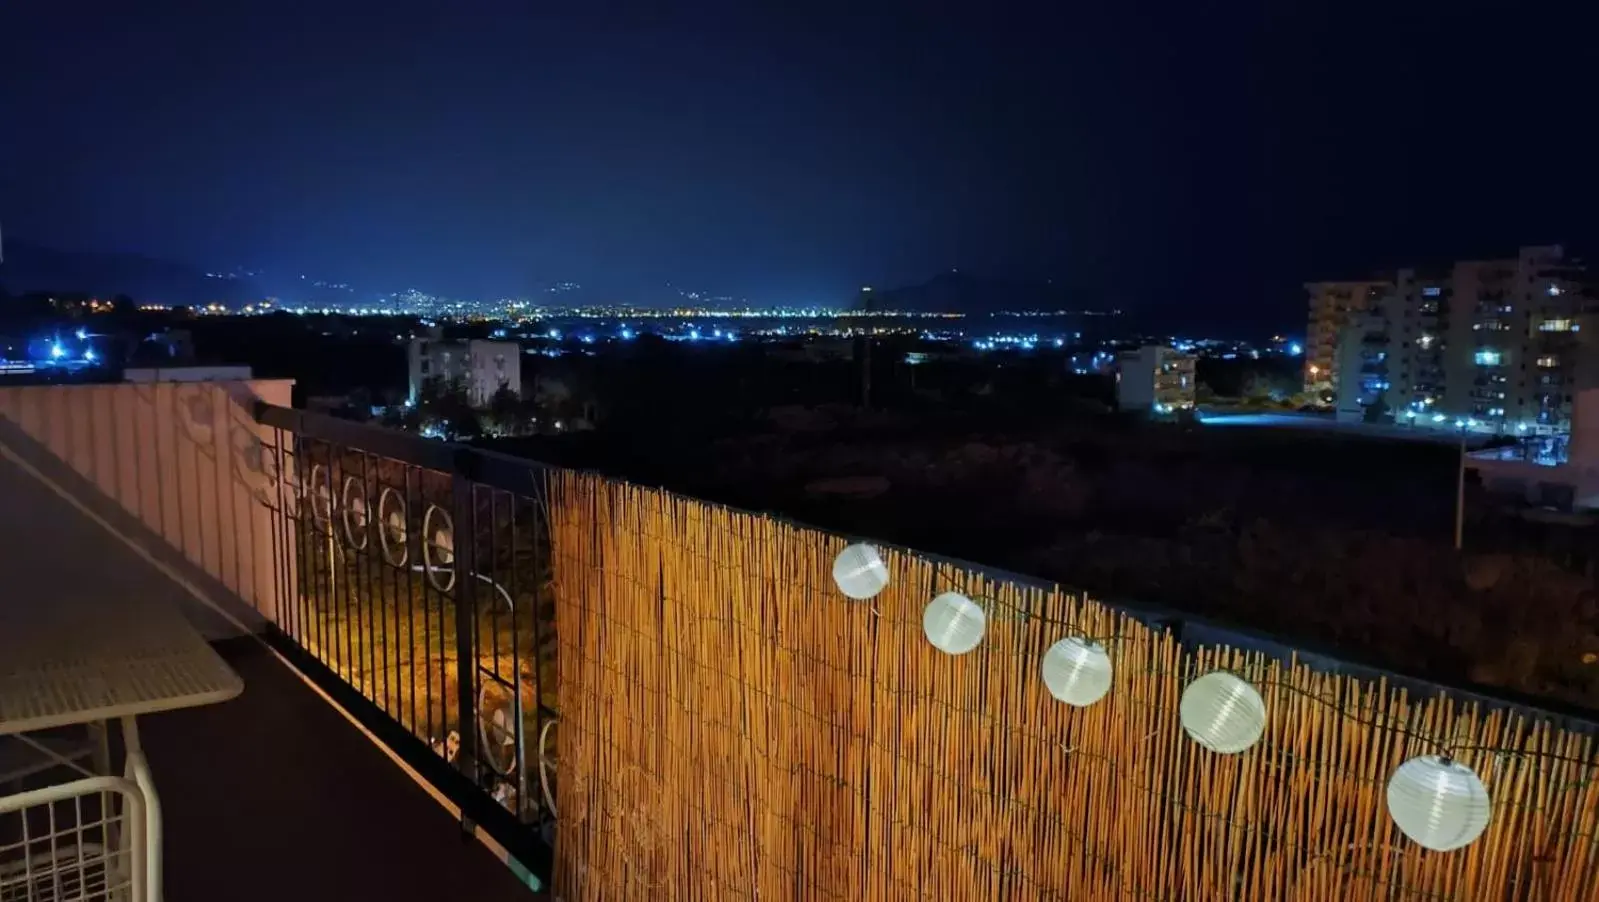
[860, 572]
[1077, 671]
[954, 623]
[1440, 804]
[1223, 713]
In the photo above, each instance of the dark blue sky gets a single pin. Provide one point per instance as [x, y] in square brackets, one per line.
[1173, 158]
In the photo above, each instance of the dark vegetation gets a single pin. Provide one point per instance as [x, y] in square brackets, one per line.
[1339, 542]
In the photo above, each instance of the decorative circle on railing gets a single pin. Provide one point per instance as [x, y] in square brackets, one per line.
[548, 761]
[497, 714]
[354, 514]
[321, 495]
[393, 527]
[438, 548]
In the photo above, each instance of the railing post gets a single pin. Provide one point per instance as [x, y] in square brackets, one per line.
[464, 514]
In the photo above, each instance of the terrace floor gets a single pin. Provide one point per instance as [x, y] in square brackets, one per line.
[273, 795]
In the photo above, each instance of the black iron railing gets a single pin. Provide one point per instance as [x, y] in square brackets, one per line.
[415, 582]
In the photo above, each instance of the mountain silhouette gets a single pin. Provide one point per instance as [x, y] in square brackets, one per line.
[958, 292]
[29, 267]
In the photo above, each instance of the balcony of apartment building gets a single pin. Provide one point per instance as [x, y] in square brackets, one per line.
[636, 695]
[1556, 336]
[319, 780]
[1489, 394]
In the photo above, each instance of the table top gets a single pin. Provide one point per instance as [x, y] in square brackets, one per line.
[71, 663]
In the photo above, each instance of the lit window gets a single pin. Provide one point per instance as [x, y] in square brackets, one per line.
[1431, 292]
[1487, 357]
[1556, 325]
[1554, 291]
[1548, 360]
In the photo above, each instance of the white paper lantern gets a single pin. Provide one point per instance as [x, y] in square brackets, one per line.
[860, 572]
[954, 623]
[1077, 671]
[1223, 713]
[1440, 804]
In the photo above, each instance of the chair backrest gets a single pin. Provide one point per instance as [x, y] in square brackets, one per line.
[83, 840]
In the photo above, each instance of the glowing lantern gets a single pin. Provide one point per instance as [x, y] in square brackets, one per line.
[860, 572]
[1439, 803]
[1077, 671]
[954, 623]
[1223, 713]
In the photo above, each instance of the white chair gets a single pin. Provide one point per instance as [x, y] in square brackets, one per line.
[83, 841]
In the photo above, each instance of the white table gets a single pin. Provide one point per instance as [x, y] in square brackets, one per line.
[65, 663]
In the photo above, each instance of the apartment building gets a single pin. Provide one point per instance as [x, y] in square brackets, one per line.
[1332, 307]
[1491, 345]
[1155, 378]
[1390, 354]
[484, 367]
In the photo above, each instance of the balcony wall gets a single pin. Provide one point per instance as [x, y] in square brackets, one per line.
[174, 468]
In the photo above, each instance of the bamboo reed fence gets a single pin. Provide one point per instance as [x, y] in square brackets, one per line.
[734, 727]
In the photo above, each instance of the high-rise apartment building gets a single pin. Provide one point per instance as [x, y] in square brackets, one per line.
[1155, 378]
[1495, 345]
[1332, 306]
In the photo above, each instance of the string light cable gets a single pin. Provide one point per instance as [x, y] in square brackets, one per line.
[1434, 799]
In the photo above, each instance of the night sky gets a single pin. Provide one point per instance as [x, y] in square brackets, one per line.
[1189, 162]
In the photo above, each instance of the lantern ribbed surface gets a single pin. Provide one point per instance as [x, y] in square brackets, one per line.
[954, 623]
[860, 572]
[1077, 671]
[1440, 804]
[1223, 712]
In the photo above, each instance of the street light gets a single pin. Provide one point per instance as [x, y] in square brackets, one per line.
[1460, 484]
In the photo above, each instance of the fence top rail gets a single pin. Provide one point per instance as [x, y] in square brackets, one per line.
[521, 475]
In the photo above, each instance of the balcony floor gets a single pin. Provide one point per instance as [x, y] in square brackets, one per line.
[273, 795]
[276, 796]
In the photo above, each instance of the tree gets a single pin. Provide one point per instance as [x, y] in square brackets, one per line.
[445, 407]
[1265, 388]
[506, 414]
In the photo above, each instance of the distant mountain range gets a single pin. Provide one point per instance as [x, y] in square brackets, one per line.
[958, 292]
[31, 267]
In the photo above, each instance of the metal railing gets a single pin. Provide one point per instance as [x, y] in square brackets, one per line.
[415, 582]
